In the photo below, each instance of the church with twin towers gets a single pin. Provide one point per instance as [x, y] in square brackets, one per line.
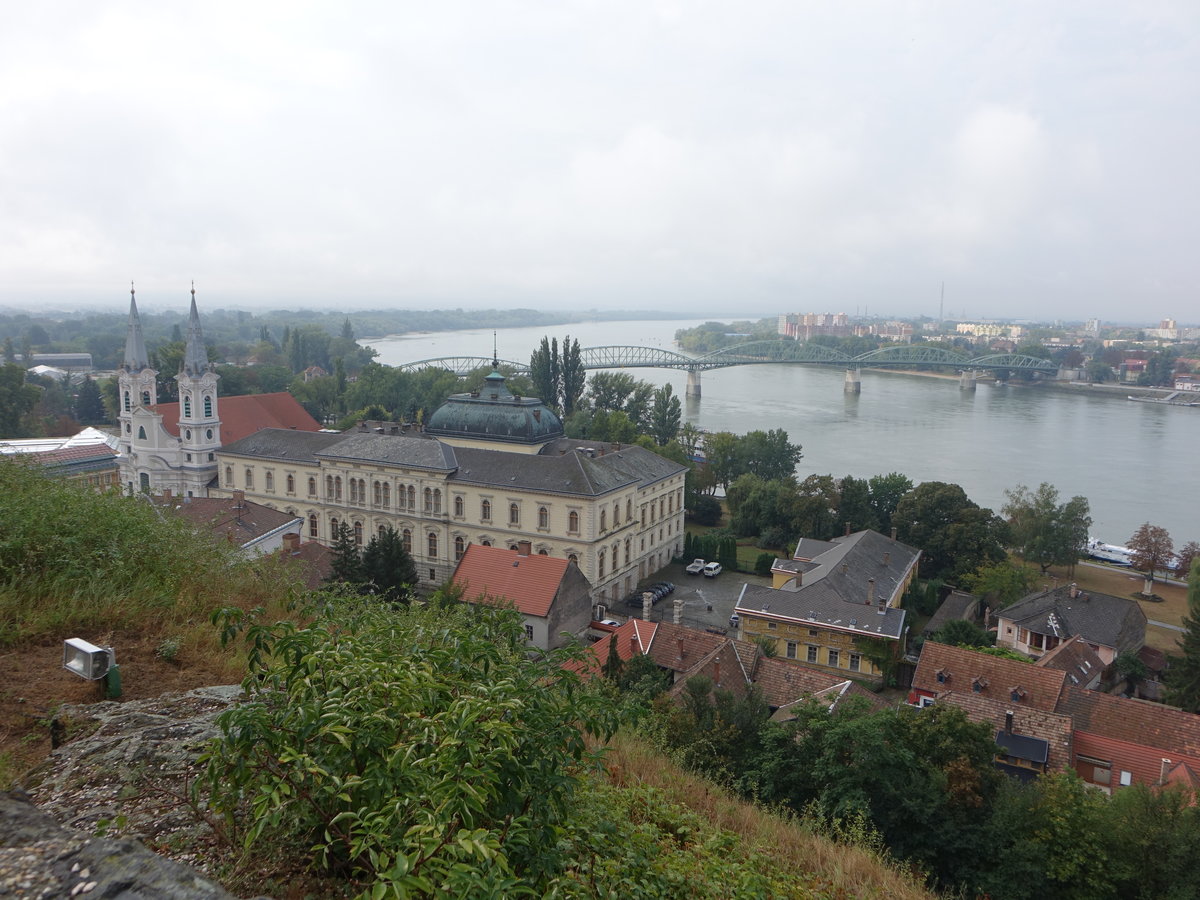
[172, 447]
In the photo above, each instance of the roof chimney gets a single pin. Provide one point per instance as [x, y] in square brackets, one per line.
[633, 644]
[1074, 590]
[679, 648]
[239, 498]
[847, 529]
[870, 591]
[291, 543]
[647, 604]
[887, 557]
[677, 618]
[893, 532]
[717, 672]
[524, 548]
[1008, 717]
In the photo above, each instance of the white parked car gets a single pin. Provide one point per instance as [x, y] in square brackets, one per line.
[695, 567]
[712, 570]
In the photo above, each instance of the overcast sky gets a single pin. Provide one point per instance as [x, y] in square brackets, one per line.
[740, 158]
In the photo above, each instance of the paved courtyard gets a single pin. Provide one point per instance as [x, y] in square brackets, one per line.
[707, 602]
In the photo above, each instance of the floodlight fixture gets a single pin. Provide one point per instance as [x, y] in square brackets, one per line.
[87, 660]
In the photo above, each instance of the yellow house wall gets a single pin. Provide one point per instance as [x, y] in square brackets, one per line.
[805, 635]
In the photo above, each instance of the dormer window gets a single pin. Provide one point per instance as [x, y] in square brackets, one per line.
[979, 685]
[942, 676]
[1016, 694]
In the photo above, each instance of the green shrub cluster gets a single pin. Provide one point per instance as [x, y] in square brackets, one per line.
[419, 751]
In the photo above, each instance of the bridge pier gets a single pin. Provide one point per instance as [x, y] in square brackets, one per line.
[853, 383]
[966, 381]
[693, 384]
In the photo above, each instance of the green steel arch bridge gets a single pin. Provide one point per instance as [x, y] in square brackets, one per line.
[627, 356]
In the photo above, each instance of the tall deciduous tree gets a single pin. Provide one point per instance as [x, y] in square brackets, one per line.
[1045, 531]
[545, 373]
[1183, 559]
[665, 415]
[1152, 550]
[955, 535]
[574, 377]
[769, 454]
[17, 400]
[886, 492]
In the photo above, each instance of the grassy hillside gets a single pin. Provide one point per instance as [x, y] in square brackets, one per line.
[114, 571]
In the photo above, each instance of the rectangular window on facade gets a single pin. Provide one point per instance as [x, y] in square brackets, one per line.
[855, 662]
[529, 632]
[772, 625]
[1126, 779]
[812, 654]
[834, 657]
[791, 649]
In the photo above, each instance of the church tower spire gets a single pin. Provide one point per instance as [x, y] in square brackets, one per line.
[199, 420]
[136, 358]
[195, 359]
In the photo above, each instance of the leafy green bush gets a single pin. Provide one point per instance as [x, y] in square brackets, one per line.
[418, 750]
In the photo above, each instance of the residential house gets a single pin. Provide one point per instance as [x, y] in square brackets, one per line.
[1120, 741]
[730, 664]
[835, 605]
[253, 528]
[1045, 722]
[943, 668]
[1075, 657]
[551, 593]
[958, 606]
[1044, 619]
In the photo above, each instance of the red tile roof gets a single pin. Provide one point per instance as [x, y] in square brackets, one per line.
[498, 574]
[997, 675]
[245, 414]
[1164, 728]
[1054, 728]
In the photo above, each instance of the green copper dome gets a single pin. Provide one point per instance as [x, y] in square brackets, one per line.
[494, 413]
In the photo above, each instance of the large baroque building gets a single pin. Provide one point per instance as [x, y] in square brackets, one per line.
[489, 468]
[173, 446]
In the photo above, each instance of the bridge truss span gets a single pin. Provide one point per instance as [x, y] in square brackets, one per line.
[630, 356]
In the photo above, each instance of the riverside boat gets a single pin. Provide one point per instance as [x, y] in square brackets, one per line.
[1110, 553]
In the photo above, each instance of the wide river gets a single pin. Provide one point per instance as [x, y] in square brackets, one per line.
[1135, 462]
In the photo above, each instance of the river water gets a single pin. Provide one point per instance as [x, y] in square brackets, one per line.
[1135, 462]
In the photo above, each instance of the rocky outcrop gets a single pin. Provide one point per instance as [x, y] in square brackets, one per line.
[41, 859]
[121, 779]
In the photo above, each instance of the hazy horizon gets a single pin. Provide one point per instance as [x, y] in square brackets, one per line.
[688, 157]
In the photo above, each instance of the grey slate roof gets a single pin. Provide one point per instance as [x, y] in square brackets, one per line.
[1100, 618]
[284, 443]
[391, 449]
[570, 473]
[838, 590]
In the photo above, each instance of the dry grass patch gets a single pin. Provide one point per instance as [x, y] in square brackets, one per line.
[841, 870]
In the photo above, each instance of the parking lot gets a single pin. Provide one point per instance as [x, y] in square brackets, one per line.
[707, 602]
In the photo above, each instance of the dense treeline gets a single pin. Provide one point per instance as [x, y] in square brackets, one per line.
[924, 781]
[235, 333]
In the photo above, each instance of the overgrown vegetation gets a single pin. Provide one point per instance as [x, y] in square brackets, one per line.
[73, 559]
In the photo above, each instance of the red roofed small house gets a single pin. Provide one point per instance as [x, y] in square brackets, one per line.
[551, 593]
